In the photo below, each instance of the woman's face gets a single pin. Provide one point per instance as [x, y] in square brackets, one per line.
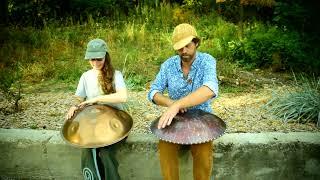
[97, 64]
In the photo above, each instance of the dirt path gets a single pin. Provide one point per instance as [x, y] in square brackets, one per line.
[242, 112]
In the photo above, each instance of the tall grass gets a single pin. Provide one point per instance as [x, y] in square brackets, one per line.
[301, 104]
[137, 44]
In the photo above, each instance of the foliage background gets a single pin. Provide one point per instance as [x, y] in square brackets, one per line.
[43, 40]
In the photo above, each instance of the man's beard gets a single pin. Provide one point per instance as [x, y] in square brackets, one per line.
[186, 58]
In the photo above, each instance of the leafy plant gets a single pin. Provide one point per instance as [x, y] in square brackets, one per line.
[262, 42]
[10, 77]
[136, 82]
[139, 43]
[301, 104]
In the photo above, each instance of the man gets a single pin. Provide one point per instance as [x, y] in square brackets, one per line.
[191, 80]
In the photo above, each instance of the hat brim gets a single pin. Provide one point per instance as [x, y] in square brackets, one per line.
[94, 55]
[183, 42]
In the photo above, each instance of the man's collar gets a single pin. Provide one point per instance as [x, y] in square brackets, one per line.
[193, 65]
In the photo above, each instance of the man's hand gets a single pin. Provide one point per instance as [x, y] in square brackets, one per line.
[173, 109]
[171, 112]
[183, 110]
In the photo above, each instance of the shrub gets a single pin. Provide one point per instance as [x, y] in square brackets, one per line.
[10, 84]
[262, 43]
[299, 105]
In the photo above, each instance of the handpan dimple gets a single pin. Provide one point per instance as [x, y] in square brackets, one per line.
[96, 126]
[192, 127]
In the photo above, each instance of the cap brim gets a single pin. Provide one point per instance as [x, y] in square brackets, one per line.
[94, 55]
[183, 42]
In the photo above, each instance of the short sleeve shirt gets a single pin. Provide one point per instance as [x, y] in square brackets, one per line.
[170, 77]
[89, 87]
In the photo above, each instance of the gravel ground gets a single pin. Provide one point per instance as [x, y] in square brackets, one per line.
[242, 112]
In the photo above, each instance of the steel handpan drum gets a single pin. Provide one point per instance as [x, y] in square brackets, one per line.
[96, 126]
[192, 127]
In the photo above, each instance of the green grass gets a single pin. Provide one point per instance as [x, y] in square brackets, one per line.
[137, 46]
[48, 86]
[52, 58]
[302, 104]
[227, 88]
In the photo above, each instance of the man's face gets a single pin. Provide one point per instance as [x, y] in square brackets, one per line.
[187, 53]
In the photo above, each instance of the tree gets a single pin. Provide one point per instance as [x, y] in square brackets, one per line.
[3, 12]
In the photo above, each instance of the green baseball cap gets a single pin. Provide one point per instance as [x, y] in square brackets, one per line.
[96, 48]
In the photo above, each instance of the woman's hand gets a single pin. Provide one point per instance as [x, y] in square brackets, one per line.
[71, 112]
[88, 102]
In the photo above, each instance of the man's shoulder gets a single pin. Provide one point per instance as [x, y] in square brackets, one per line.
[205, 59]
[170, 61]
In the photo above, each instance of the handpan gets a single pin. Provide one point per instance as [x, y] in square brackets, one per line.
[192, 127]
[96, 126]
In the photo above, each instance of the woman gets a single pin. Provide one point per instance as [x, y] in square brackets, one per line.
[104, 85]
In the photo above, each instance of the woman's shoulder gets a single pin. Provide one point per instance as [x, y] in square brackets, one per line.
[88, 72]
[118, 78]
[117, 72]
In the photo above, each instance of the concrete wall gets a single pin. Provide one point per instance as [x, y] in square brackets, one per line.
[42, 154]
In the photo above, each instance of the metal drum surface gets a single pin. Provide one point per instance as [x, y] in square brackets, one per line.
[192, 127]
[96, 126]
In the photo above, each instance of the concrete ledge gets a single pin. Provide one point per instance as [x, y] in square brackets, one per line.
[42, 154]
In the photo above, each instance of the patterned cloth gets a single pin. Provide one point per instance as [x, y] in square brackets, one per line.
[101, 163]
[170, 77]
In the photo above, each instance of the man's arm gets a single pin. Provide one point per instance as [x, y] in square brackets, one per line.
[157, 88]
[197, 97]
[162, 100]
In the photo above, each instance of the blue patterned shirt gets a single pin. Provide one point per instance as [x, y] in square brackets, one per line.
[170, 77]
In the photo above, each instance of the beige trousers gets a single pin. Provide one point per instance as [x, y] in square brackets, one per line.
[202, 160]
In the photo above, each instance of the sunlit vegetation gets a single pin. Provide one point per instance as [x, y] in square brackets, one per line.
[45, 40]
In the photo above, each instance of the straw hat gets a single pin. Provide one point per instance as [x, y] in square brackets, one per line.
[183, 35]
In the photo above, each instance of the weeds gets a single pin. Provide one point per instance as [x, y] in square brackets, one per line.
[137, 44]
[301, 104]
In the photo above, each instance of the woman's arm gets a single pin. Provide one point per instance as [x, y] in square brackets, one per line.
[72, 109]
[120, 96]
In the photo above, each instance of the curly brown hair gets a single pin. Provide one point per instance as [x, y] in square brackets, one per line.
[106, 76]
